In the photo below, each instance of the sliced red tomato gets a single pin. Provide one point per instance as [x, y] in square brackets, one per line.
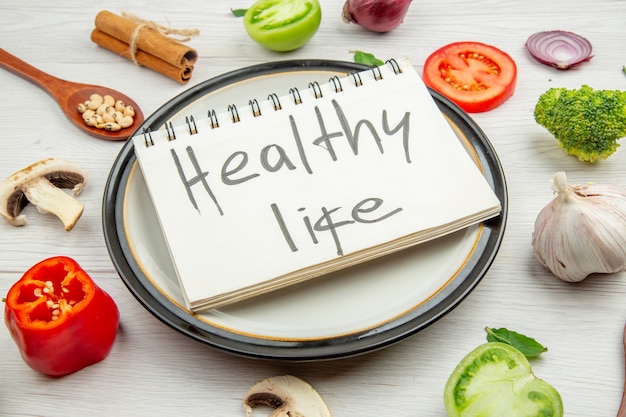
[476, 76]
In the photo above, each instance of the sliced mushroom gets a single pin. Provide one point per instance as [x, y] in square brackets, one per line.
[41, 185]
[290, 396]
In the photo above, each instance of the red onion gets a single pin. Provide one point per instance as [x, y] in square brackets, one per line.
[376, 15]
[559, 49]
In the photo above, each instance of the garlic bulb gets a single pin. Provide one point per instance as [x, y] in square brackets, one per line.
[582, 231]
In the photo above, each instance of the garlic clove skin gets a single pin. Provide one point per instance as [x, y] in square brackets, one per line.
[582, 231]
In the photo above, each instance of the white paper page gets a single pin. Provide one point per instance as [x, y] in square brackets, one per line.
[309, 183]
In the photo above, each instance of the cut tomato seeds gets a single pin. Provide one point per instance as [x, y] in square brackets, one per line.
[458, 80]
[475, 76]
[58, 317]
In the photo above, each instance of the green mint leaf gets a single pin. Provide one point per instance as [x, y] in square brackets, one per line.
[366, 58]
[527, 345]
[238, 12]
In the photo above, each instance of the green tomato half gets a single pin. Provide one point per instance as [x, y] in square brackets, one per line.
[283, 25]
[496, 380]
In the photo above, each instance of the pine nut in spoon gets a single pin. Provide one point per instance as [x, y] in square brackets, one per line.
[69, 95]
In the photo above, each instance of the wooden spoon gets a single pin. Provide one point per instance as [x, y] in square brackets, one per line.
[69, 95]
[622, 408]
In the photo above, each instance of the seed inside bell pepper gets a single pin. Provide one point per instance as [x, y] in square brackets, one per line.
[59, 318]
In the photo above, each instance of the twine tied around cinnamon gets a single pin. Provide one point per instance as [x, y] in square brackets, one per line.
[179, 35]
[155, 48]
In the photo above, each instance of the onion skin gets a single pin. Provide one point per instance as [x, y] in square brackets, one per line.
[376, 15]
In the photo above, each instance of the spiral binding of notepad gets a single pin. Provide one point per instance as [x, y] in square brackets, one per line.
[255, 108]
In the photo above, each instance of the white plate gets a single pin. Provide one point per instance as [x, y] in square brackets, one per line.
[342, 314]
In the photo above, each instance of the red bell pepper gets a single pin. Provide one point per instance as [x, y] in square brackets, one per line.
[59, 318]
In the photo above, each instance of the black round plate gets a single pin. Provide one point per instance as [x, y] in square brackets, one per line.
[386, 331]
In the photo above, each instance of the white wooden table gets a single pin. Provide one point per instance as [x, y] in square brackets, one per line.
[154, 370]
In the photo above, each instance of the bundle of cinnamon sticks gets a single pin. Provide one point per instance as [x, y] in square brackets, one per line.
[144, 45]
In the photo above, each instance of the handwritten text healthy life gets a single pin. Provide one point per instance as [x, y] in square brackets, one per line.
[236, 170]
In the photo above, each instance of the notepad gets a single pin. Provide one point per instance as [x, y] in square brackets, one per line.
[285, 188]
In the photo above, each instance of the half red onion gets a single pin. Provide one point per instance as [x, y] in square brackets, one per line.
[559, 49]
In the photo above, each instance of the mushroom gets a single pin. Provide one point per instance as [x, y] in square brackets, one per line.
[40, 184]
[290, 396]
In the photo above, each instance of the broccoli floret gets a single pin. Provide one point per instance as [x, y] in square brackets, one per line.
[586, 122]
